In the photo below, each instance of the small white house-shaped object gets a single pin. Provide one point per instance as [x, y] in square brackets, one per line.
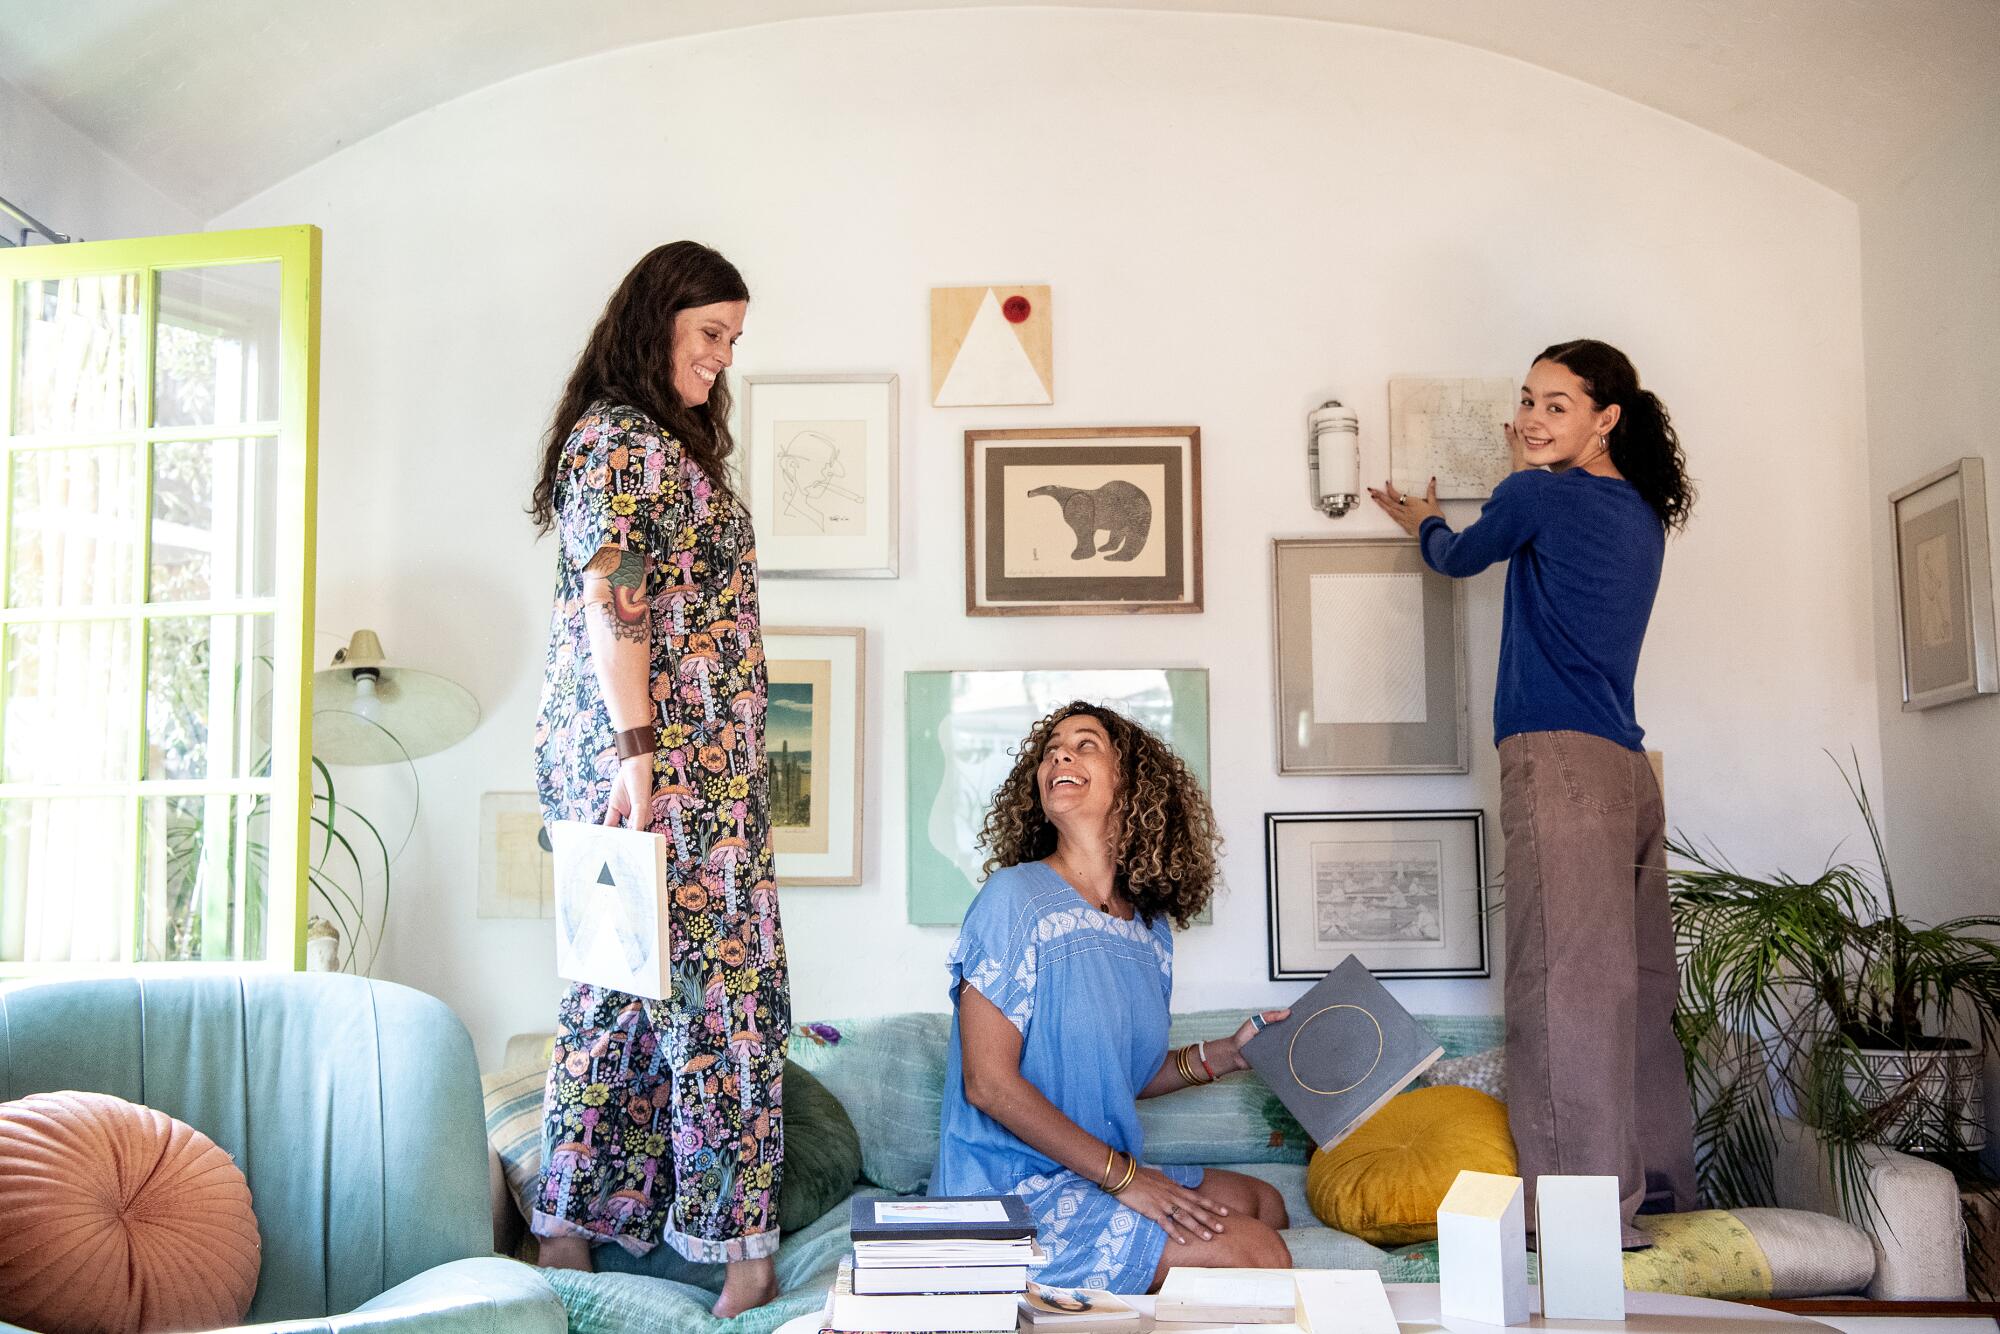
[1343, 1301]
[1483, 1250]
[1577, 1229]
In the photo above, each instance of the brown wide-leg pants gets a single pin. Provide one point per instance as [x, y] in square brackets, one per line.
[1595, 1080]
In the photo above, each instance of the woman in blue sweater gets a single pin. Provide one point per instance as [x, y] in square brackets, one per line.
[1595, 1081]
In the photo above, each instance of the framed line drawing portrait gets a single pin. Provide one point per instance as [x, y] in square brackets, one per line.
[819, 472]
[1088, 521]
[1403, 891]
[1370, 659]
[813, 742]
[1944, 586]
[962, 732]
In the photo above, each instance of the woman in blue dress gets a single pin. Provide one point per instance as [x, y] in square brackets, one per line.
[1101, 843]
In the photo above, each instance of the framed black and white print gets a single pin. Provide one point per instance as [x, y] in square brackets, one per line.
[1402, 891]
[1944, 587]
[819, 468]
[1370, 659]
[1085, 521]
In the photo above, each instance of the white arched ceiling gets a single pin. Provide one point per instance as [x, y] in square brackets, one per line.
[214, 101]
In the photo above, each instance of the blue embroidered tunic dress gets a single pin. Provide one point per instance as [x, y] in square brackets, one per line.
[1089, 993]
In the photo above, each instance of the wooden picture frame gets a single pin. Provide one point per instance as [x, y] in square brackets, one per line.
[814, 741]
[1402, 891]
[1369, 659]
[1083, 521]
[1944, 587]
[820, 474]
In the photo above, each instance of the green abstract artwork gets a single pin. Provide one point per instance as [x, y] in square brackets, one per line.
[963, 731]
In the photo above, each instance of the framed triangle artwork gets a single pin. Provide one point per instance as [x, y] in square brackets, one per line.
[991, 347]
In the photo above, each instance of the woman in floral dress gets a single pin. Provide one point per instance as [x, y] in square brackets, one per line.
[663, 1119]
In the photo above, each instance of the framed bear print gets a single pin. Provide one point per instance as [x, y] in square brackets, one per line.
[1085, 521]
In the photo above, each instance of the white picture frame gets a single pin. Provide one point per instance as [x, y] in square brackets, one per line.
[820, 474]
[1944, 587]
[816, 683]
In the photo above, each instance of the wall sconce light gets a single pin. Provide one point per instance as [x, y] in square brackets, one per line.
[368, 710]
[1333, 449]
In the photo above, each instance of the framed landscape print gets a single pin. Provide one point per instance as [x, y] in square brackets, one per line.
[963, 731]
[1402, 891]
[819, 471]
[1370, 659]
[813, 745]
[1090, 521]
[1944, 586]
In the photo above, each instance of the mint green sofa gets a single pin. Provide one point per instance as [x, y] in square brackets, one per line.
[888, 1072]
[353, 1108]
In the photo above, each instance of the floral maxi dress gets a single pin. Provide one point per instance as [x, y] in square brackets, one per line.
[662, 1120]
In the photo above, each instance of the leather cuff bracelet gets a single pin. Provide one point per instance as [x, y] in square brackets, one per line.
[634, 741]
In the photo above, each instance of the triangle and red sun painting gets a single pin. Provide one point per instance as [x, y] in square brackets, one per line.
[991, 347]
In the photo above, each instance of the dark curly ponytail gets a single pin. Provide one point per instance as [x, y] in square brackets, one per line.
[1643, 444]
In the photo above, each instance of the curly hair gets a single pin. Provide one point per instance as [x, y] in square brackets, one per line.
[1167, 841]
[1644, 445]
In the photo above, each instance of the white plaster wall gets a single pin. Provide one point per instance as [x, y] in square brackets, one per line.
[1240, 217]
[70, 184]
[1931, 305]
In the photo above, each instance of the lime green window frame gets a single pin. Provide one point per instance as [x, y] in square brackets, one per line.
[158, 421]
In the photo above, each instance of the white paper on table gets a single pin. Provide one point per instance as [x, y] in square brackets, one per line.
[940, 1211]
[1368, 648]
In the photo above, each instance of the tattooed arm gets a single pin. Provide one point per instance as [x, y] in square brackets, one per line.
[620, 628]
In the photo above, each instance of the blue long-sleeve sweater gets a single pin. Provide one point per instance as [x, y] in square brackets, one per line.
[1584, 555]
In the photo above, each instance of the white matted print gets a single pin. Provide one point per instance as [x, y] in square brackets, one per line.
[813, 746]
[1376, 678]
[1944, 587]
[1403, 891]
[820, 464]
[1453, 430]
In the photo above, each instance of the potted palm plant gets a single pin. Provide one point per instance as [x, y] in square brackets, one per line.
[1822, 999]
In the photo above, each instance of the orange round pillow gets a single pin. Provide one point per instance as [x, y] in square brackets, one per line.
[119, 1218]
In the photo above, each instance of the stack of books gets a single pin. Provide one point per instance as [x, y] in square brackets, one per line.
[934, 1265]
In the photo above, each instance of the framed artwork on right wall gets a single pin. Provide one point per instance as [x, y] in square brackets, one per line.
[1944, 587]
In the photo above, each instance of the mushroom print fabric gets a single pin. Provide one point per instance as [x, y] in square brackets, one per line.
[661, 1119]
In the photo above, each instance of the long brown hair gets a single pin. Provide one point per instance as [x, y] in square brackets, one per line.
[627, 363]
[1166, 830]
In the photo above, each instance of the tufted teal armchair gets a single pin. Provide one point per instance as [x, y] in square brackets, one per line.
[352, 1106]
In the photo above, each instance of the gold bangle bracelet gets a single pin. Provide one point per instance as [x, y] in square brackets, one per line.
[1110, 1158]
[1131, 1170]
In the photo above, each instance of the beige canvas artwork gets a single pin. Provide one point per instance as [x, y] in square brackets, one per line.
[991, 347]
[517, 870]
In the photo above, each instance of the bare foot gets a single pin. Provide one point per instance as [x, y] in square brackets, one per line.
[749, 1285]
[564, 1253]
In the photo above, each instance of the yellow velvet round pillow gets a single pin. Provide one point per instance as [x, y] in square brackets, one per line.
[119, 1219]
[1384, 1182]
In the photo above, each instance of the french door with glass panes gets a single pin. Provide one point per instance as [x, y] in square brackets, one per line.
[156, 554]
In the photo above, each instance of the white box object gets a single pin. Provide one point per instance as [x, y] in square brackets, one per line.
[1200, 1296]
[1343, 1301]
[612, 908]
[1483, 1250]
[1577, 1233]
